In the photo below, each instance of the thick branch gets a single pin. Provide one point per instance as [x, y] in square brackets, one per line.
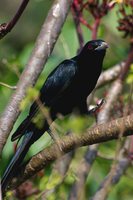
[98, 134]
[43, 47]
[110, 74]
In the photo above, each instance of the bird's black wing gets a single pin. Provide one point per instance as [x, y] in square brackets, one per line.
[56, 83]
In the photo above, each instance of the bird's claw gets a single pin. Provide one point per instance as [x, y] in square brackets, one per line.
[95, 109]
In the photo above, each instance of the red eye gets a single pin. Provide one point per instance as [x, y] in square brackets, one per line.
[90, 47]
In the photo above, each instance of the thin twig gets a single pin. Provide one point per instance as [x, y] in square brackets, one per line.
[52, 132]
[95, 28]
[8, 86]
[7, 27]
[76, 15]
[103, 156]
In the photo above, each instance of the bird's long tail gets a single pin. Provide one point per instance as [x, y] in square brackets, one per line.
[16, 160]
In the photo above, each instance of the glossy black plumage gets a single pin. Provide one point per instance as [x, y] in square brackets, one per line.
[65, 89]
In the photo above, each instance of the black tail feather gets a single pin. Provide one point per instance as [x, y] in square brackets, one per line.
[16, 160]
[30, 136]
[20, 130]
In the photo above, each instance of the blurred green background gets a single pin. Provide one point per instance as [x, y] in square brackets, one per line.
[15, 49]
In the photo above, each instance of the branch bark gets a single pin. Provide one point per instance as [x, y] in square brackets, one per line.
[42, 50]
[97, 134]
[110, 74]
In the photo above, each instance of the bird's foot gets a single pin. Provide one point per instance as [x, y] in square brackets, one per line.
[95, 109]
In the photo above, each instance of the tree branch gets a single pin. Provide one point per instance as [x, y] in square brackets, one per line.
[98, 134]
[110, 74]
[95, 28]
[8, 86]
[117, 170]
[7, 27]
[76, 13]
[43, 47]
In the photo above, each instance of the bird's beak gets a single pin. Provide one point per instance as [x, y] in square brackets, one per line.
[103, 46]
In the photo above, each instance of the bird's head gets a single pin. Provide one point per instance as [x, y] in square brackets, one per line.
[94, 47]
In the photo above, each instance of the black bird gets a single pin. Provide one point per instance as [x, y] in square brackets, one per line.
[65, 89]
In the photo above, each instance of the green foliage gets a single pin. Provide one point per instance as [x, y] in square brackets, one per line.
[75, 123]
[31, 96]
[129, 79]
[54, 179]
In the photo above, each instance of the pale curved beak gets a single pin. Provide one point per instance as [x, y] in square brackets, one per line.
[103, 46]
